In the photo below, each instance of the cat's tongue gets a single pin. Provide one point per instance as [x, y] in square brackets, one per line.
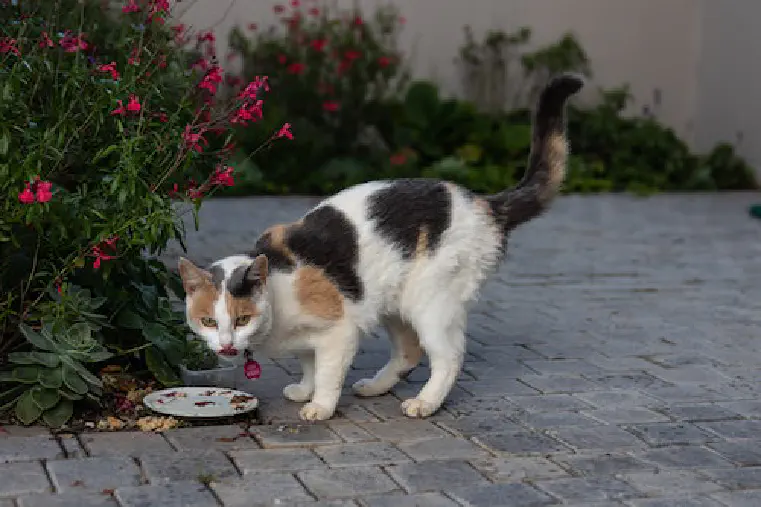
[252, 369]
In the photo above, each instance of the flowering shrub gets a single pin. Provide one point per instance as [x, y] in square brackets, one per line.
[103, 128]
[331, 72]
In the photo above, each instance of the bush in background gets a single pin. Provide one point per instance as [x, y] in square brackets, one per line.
[103, 131]
[372, 123]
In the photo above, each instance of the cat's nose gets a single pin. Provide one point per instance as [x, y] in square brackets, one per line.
[228, 350]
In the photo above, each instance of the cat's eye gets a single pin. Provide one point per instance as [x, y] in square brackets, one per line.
[208, 322]
[242, 320]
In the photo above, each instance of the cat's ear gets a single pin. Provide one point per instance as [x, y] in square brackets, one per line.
[193, 277]
[256, 274]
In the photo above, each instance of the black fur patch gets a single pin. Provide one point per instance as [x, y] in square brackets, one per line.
[328, 240]
[325, 239]
[240, 285]
[405, 207]
[217, 276]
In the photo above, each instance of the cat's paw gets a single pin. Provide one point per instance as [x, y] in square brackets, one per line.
[314, 412]
[298, 392]
[367, 387]
[415, 407]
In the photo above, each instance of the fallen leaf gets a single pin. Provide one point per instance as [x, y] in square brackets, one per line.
[77, 484]
[108, 492]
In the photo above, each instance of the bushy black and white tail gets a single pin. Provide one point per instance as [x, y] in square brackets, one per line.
[547, 161]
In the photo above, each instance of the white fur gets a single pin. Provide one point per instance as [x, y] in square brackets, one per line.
[423, 300]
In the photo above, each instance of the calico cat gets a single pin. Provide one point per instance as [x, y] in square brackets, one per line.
[408, 254]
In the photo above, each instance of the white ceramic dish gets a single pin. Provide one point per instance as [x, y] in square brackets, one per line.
[201, 402]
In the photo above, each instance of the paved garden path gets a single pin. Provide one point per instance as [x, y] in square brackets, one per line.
[613, 361]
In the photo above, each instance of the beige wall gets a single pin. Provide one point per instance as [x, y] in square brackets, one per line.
[697, 54]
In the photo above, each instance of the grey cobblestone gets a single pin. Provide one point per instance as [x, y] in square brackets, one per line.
[673, 483]
[347, 482]
[29, 448]
[591, 489]
[658, 434]
[362, 454]
[493, 495]
[127, 443]
[435, 475]
[740, 452]
[225, 438]
[518, 469]
[442, 448]
[293, 435]
[602, 464]
[72, 499]
[187, 466]
[23, 479]
[94, 474]
[420, 500]
[275, 460]
[404, 430]
[176, 494]
[675, 502]
[260, 489]
[520, 443]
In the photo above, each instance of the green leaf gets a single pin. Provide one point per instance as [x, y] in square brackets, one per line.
[129, 320]
[79, 335]
[72, 380]
[158, 365]
[26, 374]
[170, 345]
[58, 415]
[5, 142]
[10, 397]
[94, 356]
[48, 359]
[68, 394]
[52, 378]
[104, 153]
[38, 340]
[45, 398]
[83, 372]
[27, 410]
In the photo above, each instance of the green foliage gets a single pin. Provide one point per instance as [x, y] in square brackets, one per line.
[199, 357]
[414, 131]
[90, 181]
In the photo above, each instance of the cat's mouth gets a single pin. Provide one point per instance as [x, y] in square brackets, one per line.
[228, 350]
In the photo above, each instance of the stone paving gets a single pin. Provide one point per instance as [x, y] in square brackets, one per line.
[613, 361]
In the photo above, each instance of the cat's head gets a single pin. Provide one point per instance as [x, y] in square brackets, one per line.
[228, 305]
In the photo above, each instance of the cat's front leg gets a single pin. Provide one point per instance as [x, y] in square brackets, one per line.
[333, 354]
[303, 390]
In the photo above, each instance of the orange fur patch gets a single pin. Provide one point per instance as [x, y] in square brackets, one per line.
[202, 302]
[277, 241]
[422, 243]
[317, 295]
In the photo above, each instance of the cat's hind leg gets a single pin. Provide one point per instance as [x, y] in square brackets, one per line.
[405, 355]
[441, 328]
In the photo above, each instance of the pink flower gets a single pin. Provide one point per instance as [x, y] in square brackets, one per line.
[27, 196]
[223, 176]
[402, 20]
[331, 106]
[295, 3]
[352, 54]
[109, 67]
[163, 118]
[285, 131]
[281, 58]
[207, 36]
[100, 255]
[248, 112]
[314, 11]
[201, 63]
[133, 106]
[45, 41]
[384, 61]
[358, 21]
[8, 45]
[318, 44]
[251, 91]
[296, 68]
[193, 140]
[119, 110]
[158, 7]
[130, 7]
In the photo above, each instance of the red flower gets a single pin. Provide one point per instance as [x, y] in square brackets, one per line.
[158, 7]
[352, 54]
[281, 58]
[295, 3]
[98, 251]
[223, 176]
[384, 61]
[318, 44]
[43, 192]
[36, 190]
[130, 7]
[192, 191]
[134, 59]
[331, 106]
[27, 196]
[358, 21]
[133, 106]
[285, 131]
[343, 66]
[207, 36]
[278, 9]
[398, 159]
[314, 11]
[296, 68]
[163, 118]
[211, 79]
[201, 63]
[248, 112]
[251, 92]
[8, 45]
[194, 140]
[109, 67]
[46, 41]
[73, 44]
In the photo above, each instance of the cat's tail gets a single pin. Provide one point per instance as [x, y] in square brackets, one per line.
[547, 162]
